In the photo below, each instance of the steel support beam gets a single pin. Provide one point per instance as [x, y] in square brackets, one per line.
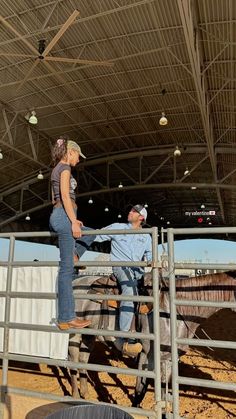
[156, 169]
[7, 126]
[166, 150]
[188, 17]
[149, 186]
[32, 143]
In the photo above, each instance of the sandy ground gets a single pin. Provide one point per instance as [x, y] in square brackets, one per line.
[194, 402]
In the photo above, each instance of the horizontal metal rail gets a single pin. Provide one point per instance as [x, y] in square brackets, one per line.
[225, 344]
[78, 295]
[197, 303]
[78, 365]
[67, 399]
[204, 230]
[85, 331]
[206, 383]
[84, 233]
[89, 263]
[210, 266]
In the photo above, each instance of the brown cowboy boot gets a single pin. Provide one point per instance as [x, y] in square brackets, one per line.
[74, 324]
[76, 259]
[132, 349]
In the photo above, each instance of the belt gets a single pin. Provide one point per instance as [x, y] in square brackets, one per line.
[59, 204]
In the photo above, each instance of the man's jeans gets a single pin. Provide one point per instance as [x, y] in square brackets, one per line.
[84, 242]
[128, 278]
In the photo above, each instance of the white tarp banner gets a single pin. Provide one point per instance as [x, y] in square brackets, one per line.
[33, 311]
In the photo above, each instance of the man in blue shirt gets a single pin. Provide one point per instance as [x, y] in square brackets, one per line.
[126, 247]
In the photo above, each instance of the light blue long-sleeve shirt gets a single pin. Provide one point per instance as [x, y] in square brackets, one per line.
[127, 247]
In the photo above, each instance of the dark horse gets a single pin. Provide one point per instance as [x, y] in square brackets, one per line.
[213, 287]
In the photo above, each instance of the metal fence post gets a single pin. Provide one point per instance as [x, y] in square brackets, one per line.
[173, 324]
[156, 324]
[6, 326]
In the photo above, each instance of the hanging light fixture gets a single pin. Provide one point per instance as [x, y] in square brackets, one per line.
[163, 120]
[27, 218]
[40, 175]
[203, 206]
[90, 201]
[177, 152]
[33, 118]
[168, 222]
[120, 185]
[1, 155]
[106, 209]
[146, 205]
[119, 216]
[186, 172]
[193, 187]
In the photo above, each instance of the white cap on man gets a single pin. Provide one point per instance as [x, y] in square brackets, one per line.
[141, 210]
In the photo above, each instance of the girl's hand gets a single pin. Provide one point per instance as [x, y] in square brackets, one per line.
[81, 223]
[76, 229]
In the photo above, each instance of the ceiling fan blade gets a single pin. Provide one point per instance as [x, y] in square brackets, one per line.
[19, 36]
[78, 61]
[59, 34]
[27, 75]
[8, 54]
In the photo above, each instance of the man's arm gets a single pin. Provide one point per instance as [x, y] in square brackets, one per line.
[106, 237]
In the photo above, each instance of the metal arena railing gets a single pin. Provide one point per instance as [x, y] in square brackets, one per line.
[174, 302]
[6, 356]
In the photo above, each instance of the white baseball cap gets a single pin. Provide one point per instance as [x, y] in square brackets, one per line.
[74, 146]
[141, 210]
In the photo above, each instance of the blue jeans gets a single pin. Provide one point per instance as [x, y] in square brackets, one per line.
[127, 278]
[61, 224]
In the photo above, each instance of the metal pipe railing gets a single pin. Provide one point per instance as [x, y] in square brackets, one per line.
[210, 266]
[174, 302]
[7, 325]
[51, 295]
[207, 342]
[156, 326]
[197, 303]
[173, 325]
[92, 332]
[67, 399]
[207, 383]
[78, 365]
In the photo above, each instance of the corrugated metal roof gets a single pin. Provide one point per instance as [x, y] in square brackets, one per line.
[160, 64]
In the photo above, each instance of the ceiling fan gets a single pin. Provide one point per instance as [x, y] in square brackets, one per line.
[42, 53]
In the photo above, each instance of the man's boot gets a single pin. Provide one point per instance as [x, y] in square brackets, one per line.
[132, 348]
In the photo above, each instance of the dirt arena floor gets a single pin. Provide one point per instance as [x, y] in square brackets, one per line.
[194, 402]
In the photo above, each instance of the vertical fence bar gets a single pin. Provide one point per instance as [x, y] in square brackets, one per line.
[156, 324]
[6, 321]
[173, 324]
